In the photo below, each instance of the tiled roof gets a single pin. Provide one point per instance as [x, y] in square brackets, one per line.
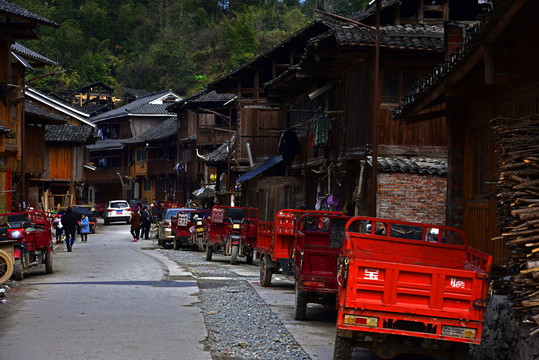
[412, 37]
[219, 156]
[9, 9]
[151, 109]
[32, 109]
[29, 54]
[164, 130]
[428, 37]
[189, 138]
[440, 72]
[202, 98]
[109, 144]
[68, 133]
[414, 166]
[140, 106]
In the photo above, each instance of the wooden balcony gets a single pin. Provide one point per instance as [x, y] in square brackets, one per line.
[140, 168]
[161, 167]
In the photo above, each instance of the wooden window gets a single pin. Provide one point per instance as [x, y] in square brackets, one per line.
[397, 85]
[141, 155]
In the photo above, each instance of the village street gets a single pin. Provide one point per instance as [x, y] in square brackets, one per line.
[114, 299]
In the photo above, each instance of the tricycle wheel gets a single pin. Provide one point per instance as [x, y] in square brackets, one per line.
[106, 222]
[265, 273]
[234, 254]
[342, 349]
[48, 262]
[17, 270]
[209, 252]
[200, 245]
[300, 305]
[6, 266]
[176, 245]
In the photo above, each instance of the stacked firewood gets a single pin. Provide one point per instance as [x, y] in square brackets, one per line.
[517, 143]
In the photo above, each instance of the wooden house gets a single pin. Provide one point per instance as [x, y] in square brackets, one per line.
[17, 24]
[154, 169]
[491, 76]
[117, 165]
[260, 120]
[206, 121]
[63, 156]
[95, 95]
[329, 78]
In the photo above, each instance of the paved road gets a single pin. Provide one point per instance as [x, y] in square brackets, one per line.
[108, 299]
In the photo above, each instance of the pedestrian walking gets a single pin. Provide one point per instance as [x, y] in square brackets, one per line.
[146, 219]
[84, 228]
[58, 227]
[69, 222]
[135, 224]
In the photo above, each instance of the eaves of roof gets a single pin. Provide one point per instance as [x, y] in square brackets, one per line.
[23, 51]
[252, 63]
[11, 10]
[44, 117]
[219, 156]
[202, 98]
[62, 108]
[432, 87]
[423, 38]
[139, 106]
[68, 134]
[162, 131]
[411, 166]
[105, 145]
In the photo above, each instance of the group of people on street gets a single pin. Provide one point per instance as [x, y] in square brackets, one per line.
[67, 224]
[141, 221]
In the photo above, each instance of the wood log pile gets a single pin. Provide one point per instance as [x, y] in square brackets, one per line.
[517, 144]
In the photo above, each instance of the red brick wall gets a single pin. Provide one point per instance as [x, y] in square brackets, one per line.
[412, 197]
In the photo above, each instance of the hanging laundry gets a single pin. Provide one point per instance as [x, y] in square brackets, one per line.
[289, 145]
[321, 131]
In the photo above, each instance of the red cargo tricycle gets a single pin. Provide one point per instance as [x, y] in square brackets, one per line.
[185, 227]
[276, 241]
[409, 288]
[232, 231]
[31, 232]
[318, 246]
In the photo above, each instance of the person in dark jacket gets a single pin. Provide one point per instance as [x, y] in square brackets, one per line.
[69, 222]
[146, 219]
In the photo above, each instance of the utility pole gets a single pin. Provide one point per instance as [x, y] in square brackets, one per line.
[376, 108]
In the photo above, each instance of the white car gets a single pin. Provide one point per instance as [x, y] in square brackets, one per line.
[117, 210]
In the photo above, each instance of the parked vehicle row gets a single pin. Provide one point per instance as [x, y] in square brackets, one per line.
[399, 287]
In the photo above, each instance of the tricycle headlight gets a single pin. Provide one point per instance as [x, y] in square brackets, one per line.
[199, 223]
[235, 226]
[16, 234]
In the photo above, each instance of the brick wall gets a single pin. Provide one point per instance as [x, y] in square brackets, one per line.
[412, 197]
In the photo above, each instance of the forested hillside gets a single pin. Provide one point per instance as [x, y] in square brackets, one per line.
[160, 44]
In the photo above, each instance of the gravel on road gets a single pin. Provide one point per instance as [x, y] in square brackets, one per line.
[239, 323]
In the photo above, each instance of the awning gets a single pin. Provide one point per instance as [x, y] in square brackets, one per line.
[272, 161]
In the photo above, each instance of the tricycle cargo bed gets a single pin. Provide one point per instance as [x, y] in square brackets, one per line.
[411, 275]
